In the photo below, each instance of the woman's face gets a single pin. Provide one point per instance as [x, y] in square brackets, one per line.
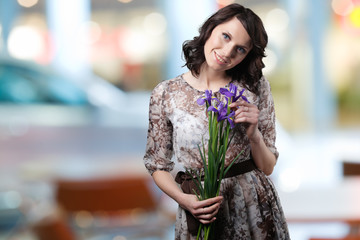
[227, 46]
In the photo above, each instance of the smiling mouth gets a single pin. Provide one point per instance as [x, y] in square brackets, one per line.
[219, 59]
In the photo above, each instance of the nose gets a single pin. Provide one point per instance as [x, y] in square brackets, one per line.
[228, 51]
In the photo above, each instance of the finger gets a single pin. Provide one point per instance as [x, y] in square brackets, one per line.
[210, 201]
[208, 207]
[242, 113]
[207, 221]
[247, 111]
[211, 210]
[244, 118]
[243, 108]
[236, 105]
[239, 103]
[207, 217]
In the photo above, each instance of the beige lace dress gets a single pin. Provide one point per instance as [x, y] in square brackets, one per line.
[251, 208]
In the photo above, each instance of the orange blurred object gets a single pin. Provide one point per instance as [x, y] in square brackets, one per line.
[54, 229]
[109, 195]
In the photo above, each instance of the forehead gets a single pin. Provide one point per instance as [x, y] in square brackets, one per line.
[236, 29]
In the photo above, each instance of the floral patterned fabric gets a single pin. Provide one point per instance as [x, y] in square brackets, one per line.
[177, 125]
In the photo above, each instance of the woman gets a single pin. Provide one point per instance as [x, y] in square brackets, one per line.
[229, 49]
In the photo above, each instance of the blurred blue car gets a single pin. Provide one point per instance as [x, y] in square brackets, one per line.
[33, 88]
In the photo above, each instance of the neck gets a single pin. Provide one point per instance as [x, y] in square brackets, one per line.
[212, 80]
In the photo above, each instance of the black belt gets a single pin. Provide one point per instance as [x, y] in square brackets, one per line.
[241, 168]
[187, 185]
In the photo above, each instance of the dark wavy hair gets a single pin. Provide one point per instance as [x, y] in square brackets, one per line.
[249, 71]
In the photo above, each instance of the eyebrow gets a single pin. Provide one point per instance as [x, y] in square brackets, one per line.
[242, 46]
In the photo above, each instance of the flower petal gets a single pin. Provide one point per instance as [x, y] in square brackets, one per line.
[233, 88]
[230, 120]
[245, 99]
[201, 101]
[212, 108]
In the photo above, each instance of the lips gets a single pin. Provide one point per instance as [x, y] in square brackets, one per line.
[219, 59]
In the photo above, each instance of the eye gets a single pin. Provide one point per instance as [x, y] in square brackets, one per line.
[241, 50]
[226, 36]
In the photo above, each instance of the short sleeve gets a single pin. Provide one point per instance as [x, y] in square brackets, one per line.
[159, 147]
[267, 116]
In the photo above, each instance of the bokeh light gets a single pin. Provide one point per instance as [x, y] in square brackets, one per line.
[290, 180]
[27, 3]
[144, 39]
[351, 22]
[276, 23]
[355, 17]
[135, 45]
[25, 43]
[90, 32]
[225, 2]
[277, 20]
[348, 14]
[12, 199]
[342, 7]
[155, 24]
[125, 1]
[84, 219]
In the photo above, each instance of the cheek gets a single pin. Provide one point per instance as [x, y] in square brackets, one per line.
[212, 43]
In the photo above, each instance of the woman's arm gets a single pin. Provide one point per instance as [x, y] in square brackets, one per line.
[263, 157]
[204, 211]
[249, 114]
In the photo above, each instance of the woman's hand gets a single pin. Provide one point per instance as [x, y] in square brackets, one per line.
[205, 211]
[249, 114]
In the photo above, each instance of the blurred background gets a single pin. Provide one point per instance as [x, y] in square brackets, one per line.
[75, 81]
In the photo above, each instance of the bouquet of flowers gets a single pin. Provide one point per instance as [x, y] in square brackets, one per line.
[221, 120]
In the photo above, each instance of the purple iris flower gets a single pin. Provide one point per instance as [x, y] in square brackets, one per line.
[221, 110]
[218, 108]
[230, 119]
[222, 115]
[230, 93]
[242, 96]
[207, 97]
